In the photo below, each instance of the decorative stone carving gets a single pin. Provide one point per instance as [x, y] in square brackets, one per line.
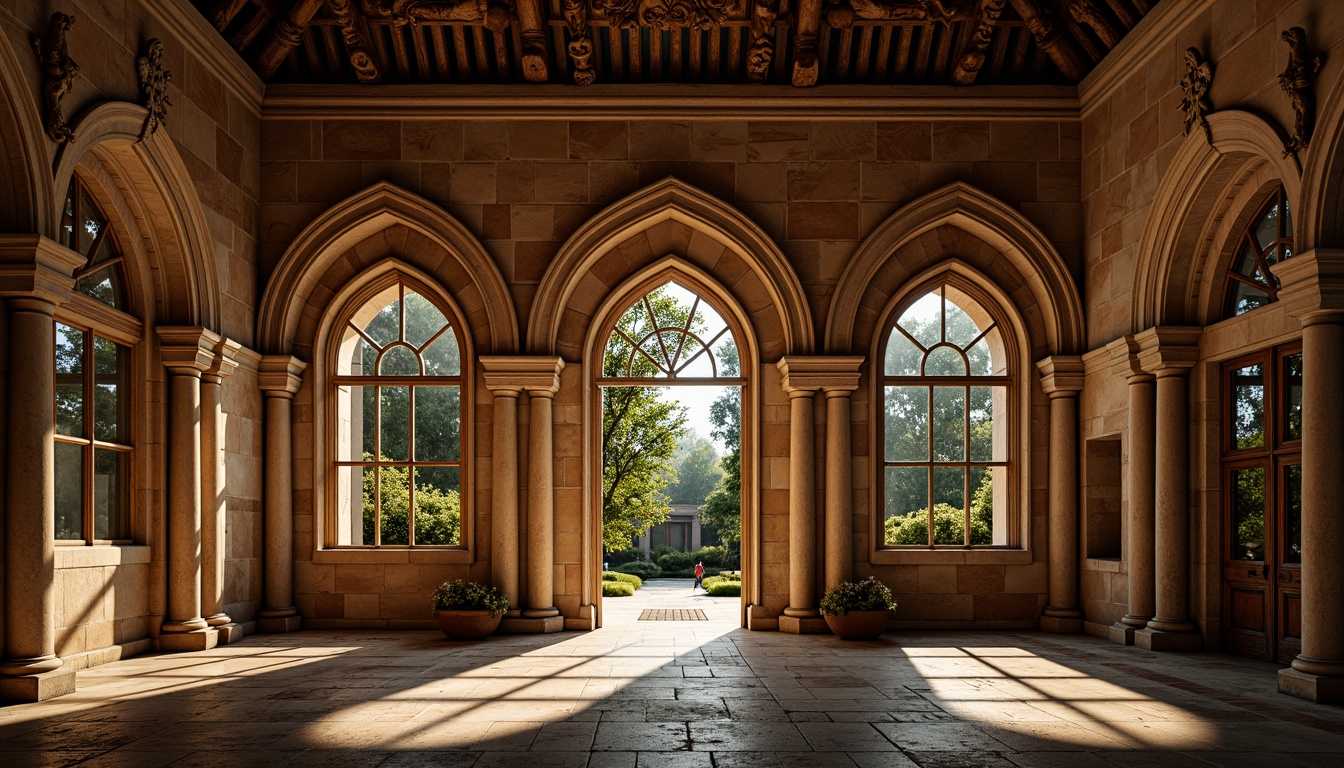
[532, 31]
[974, 57]
[1058, 46]
[841, 15]
[361, 60]
[762, 50]
[58, 74]
[1297, 81]
[1195, 93]
[664, 14]
[154, 81]
[493, 15]
[580, 46]
[1085, 12]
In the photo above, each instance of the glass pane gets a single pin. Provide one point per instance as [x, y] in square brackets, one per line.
[1245, 298]
[442, 358]
[949, 424]
[907, 423]
[903, 357]
[944, 361]
[961, 329]
[1267, 229]
[395, 423]
[68, 219]
[1248, 407]
[90, 226]
[982, 506]
[353, 440]
[1287, 218]
[924, 320]
[370, 518]
[363, 357]
[726, 353]
[949, 505]
[349, 506]
[1292, 513]
[385, 327]
[981, 361]
[438, 506]
[111, 489]
[1245, 264]
[423, 319]
[906, 506]
[982, 423]
[399, 361]
[69, 381]
[1292, 397]
[1248, 514]
[437, 423]
[395, 500]
[370, 416]
[111, 419]
[69, 466]
[103, 286]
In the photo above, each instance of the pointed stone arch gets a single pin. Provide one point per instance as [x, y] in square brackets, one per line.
[983, 232]
[1320, 219]
[1176, 253]
[25, 183]
[161, 194]
[670, 218]
[380, 221]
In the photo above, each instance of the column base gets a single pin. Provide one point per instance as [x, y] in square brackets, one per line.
[40, 687]
[1121, 633]
[229, 633]
[177, 642]
[279, 624]
[540, 613]
[799, 625]
[1062, 625]
[1158, 640]
[761, 620]
[218, 620]
[1322, 689]
[530, 626]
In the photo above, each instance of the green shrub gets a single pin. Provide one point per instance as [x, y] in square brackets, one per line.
[438, 513]
[724, 589]
[710, 581]
[609, 576]
[662, 549]
[623, 556]
[459, 595]
[711, 556]
[677, 561]
[644, 571]
[627, 578]
[617, 589]
[867, 595]
[913, 529]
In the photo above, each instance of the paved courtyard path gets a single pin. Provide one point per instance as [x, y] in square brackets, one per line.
[675, 694]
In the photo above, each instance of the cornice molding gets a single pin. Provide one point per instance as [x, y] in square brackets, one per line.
[210, 50]
[799, 373]
[1152, 36]
[670, 102]
[536, 374]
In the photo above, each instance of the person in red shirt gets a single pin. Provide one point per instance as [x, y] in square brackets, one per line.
[699, 575]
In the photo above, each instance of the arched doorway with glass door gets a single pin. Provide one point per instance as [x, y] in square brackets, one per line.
[671, 387]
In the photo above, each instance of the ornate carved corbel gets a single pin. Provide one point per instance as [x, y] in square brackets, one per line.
[356, 44]
[58, 74]
[154, 81]
[974, 57]
[288, 34]
[1041, 23]
[807, 21]
[1297, 81]
[1086, 13]
[580, 46]
[1195, 93]
[533, 33]
[762, 50]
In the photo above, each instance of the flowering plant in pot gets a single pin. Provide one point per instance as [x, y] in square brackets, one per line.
[858, 610]
[468, 610]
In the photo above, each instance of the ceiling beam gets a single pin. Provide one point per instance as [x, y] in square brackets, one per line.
[533, 33]
[288, 34]
[973, 57]
[806, 64]
[1058, 46]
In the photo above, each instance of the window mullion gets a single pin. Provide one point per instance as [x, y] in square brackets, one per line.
[377, 466]
[410, 467]
[966, 469]
[89, 390]
[929, 493]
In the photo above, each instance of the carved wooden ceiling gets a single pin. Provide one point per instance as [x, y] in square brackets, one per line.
[803, 42]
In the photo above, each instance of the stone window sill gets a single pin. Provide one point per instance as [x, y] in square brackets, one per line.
[100, 556]
[337, 555]
[951, 557]
[1108, 564]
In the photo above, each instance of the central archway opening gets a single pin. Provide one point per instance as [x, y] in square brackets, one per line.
[670, 386]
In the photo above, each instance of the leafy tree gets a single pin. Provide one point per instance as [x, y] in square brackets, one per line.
[723, 507]
[438, 513]
[948, 524]
[698, 470]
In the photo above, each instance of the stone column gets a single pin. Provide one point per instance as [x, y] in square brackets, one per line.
[1062, 380]
[214, 512]
[508, 377]
[1140, 441]
[1169, 353]
[839, 482]
[279, 377]
[35, 276]
[803, 377]
[186, 352]
[1313, 292]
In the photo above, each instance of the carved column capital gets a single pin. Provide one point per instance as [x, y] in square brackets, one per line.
[1168, 350]
[225, 360]
[187, 350]
[1312, 285]
[809, 374]
[280, 375]
[536, 375]
[1125, 359]
[1061, 375]
[34, 267]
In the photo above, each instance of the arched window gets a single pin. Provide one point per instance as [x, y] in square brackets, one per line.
[945, 426]
[1265, 242]
[398, 394]
[93, 445]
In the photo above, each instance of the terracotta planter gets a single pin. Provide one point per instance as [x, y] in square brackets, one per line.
[858, 625]
[467, 625]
